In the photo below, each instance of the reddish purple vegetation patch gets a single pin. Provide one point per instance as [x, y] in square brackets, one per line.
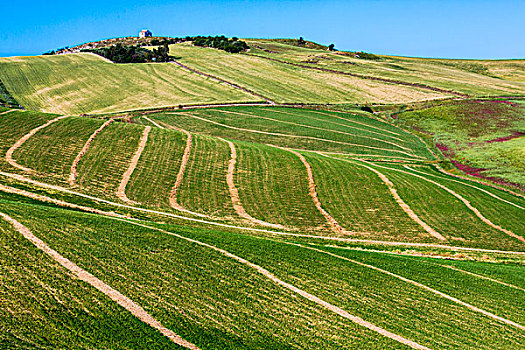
[447, 152]
[514, 135]
[477, 172]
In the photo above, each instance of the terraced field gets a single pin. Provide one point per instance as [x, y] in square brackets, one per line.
[258, 226]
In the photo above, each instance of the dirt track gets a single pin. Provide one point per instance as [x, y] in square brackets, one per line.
[180, 175]
[234, 193]
[73, 174]
[135, 309]
[121, 191]
[406, 208]
[21, 141]
[252, 229]
[334, 225]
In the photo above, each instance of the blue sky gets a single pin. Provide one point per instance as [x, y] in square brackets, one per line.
[454, 29]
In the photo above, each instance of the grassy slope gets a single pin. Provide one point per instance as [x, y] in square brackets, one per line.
[156, 172]
[84, 83]
[273, 187]
[177, 282]
[43, 305]
[284, 83]
[53, 149]
[361, 202]
[207, 298]
[352, 133]
[108, 157]
[473, 135]
[204, 188]
[471, 77]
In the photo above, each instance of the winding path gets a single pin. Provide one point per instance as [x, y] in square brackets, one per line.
[180, 175]
[234, 192]
[121, 191]
[73, 174]
[463, 200]
[21, 141]
[406, 208]
[419, 285]
[122, 300]
[312, 191]
[244, 228]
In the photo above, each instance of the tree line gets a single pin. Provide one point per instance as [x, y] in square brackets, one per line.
[133, 54]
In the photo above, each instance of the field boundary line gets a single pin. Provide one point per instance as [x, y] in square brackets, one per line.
[121, 191]
[312, 191]
[346, 125]
[153, 122]
[314, 127]
[440, 169]
[244, 228]
[420, 285]
[6, 112]
[122, 300]
[335, 309]
[470, 185]
[236, 86]
[366, 77]
[483, 277]
[356, 122]
[463, 200]
[294, 136]
[234, 192]
[406, 208]
[21, 141]
[73, 174]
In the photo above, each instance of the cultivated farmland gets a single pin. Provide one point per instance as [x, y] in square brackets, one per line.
[237, 217]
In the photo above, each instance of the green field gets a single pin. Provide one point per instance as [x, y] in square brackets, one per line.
[323, 223]
[86, 83]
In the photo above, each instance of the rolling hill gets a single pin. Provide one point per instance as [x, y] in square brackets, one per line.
[252, 201]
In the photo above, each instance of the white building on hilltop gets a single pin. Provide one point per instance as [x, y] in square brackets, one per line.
[144, 33]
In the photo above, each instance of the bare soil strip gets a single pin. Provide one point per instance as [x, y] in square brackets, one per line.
[469, 185]
[180, 176]
[483, 277]
[420, 285]
[73, 174]
[9, 111]
[406, 208]
[121, 191]
[334, 225]
[224, 81]
[21, 141]
[384, 80]
[234, 192]
[466, 202]
[243, 228]
[135, 309]
[153, 122]
[348, 126]
[296, 136]
[314, 127]
[304, 294]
